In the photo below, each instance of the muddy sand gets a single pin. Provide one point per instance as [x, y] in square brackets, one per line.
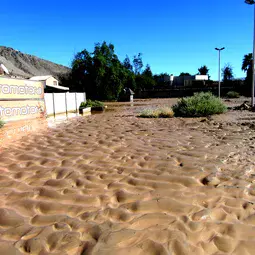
[113, 183]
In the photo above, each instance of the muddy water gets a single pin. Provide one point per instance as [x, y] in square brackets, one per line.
[113, 183]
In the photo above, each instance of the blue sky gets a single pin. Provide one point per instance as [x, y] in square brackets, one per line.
[173, 36]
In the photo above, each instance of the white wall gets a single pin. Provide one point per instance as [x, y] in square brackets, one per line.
[61, 100]
[201, 78]
[71, 102]
[81, 97]
[48, 103]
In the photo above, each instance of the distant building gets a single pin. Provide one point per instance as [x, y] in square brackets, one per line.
[187, 80]
[48, 79]
[50, 83]
[168, 79]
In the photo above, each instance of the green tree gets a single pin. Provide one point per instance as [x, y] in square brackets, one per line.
[247, 68]
[247, 62]
[81, 74]
[138, 63]
[128, 79]
[66, 80]
[100, 73]
[127, 64]
[203, 70]
[227, 73]
[160, 79]
[185, 74]
[146, 79]
[147, 72]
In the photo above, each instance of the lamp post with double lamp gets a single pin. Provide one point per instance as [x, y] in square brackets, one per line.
[219, 50]
[253, 79]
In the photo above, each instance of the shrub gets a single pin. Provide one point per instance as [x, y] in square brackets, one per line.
[233, 94]
[1, 123]
[164, 112]
[90, 103]
[200, 105]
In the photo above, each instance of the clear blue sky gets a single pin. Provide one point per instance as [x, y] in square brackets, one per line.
[174, 36]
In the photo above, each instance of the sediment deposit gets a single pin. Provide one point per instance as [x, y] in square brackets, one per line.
[113, 183]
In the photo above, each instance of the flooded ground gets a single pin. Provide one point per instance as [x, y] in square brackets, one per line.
[113, 183]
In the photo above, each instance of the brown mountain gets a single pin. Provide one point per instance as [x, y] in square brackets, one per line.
[25, 65]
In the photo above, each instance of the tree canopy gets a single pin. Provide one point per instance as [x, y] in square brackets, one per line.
[247, 68]
[146, 79]
[138, 63]
[203, 70]
[100, 73]
[103, 76]
[185, 74]
[227, 73]
[127, 64]
[247, 62]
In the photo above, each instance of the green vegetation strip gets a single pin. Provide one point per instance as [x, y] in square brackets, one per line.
[163, 112]
[90, 103]
[1, 123]
[233, 94]
[200, 105]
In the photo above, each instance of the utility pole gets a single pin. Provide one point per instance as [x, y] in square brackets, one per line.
[219, 50]
[253, 63]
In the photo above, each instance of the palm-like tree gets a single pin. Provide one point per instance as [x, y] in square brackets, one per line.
[247, 67]
[247, 62]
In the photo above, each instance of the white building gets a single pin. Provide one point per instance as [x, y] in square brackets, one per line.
[199, 77]
[49, 81]
[187, 80]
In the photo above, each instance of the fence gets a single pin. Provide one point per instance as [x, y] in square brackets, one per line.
[179, 92]
[63, 102]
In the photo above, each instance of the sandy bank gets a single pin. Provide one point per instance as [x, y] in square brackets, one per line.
[115, 184]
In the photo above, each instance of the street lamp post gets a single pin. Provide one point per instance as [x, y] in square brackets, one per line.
[219, 50]
[253, 79]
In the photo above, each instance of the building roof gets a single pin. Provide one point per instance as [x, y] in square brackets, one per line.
[46, 77]
[40, 78]
[57, 87]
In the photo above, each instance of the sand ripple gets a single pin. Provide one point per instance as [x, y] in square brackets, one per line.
[116, 184]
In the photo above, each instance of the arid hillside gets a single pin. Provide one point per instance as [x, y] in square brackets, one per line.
[26, 66]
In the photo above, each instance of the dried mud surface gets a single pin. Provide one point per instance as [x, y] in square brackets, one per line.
[113, 183]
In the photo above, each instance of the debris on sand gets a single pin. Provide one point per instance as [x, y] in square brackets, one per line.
[243, 107]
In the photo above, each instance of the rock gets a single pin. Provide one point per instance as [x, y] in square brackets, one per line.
[242, 107]
[210, 180]
[201, 215]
